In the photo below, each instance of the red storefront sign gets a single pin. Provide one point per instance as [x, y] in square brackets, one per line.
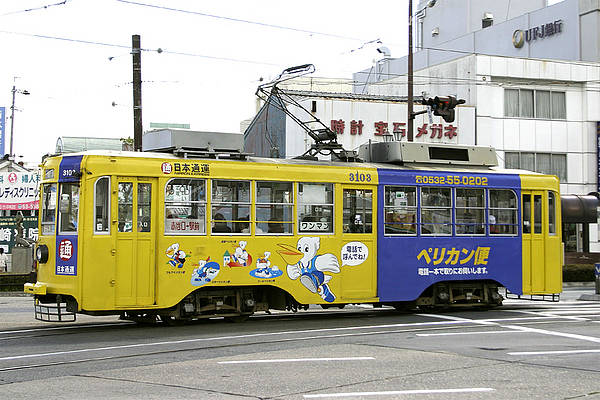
[381, 128]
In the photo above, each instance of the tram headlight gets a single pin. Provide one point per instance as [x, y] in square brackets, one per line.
[41, 254]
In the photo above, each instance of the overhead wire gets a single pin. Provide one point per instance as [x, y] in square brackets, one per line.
[97, 43]
[35, 8]
[240, 20]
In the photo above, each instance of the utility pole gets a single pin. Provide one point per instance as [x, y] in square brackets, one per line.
[12, 117]
[136, 51]
[12, 122]
[409, 134]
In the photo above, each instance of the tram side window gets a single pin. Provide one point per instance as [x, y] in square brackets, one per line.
[102, 205]
[185, 206]
[502, 218]
[125, 208]
[470, 211]
[274, 207]
[230, 206]
[436, 211]
[315, 207]
[400, 210]
[537, 213]
[48, 208]
[68, 207]
[144, 201]
[526, 213]
[358, 211]
[551, 213]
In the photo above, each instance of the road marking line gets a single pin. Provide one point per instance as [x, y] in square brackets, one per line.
[56, 328]
[398, 392]
[533, 353]
[519, 328]
[284, 360]
[465, 333]
[554, 333]
[255, 335]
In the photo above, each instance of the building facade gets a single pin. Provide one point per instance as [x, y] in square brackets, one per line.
[530, 76]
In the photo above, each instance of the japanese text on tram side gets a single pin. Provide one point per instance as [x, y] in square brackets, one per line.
[185, 168]
[454, 257]
[451, 180]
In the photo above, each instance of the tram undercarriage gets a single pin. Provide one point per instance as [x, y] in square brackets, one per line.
[236, 304]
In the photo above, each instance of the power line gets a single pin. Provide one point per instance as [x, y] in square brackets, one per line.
[35, 9]
[245, 21]
[96, 43]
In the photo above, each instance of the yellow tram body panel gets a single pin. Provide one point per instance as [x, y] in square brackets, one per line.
[137, 269]
[542, 250]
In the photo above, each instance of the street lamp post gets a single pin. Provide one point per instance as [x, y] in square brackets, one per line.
[12, 118]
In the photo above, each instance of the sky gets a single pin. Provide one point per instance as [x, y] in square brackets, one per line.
[73, 57]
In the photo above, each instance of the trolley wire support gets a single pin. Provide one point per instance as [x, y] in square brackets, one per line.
[325, 140]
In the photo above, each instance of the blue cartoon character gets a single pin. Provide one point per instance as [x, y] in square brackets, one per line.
[264, 269]
[305, 264]
[177, 257]
[206, 272]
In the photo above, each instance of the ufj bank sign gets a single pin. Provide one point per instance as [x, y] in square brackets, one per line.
[539, 32]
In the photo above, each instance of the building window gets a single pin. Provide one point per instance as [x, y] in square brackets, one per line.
[436, 211]
[544, 163]
[185, 206]
[527, 103]
[274, 208]
[230, 206]
[315, 207]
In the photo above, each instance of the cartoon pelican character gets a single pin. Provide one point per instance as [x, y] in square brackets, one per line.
[310, 267]
[177, 257]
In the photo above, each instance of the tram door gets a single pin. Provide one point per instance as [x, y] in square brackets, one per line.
[534, 225]
[358, 234]
[135, 200]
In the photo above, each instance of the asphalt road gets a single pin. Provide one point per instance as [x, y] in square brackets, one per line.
[524, 350]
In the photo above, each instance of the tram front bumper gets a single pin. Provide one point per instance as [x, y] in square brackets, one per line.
[35, 288]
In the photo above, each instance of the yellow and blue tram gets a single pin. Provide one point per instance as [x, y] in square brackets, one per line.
[149, 235]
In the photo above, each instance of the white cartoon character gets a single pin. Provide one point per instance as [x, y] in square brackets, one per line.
[310, 267]
[263, 265]
[240, 257]
[177, 257]
[207, 271]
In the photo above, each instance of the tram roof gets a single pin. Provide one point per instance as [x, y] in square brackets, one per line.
[288, 161]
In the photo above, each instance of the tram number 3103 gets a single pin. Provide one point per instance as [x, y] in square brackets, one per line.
[359, 177]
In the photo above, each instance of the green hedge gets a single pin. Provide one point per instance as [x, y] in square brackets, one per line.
[578, 273]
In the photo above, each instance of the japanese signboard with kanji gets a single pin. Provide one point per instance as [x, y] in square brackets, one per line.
[8, 231]
[19, 190]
